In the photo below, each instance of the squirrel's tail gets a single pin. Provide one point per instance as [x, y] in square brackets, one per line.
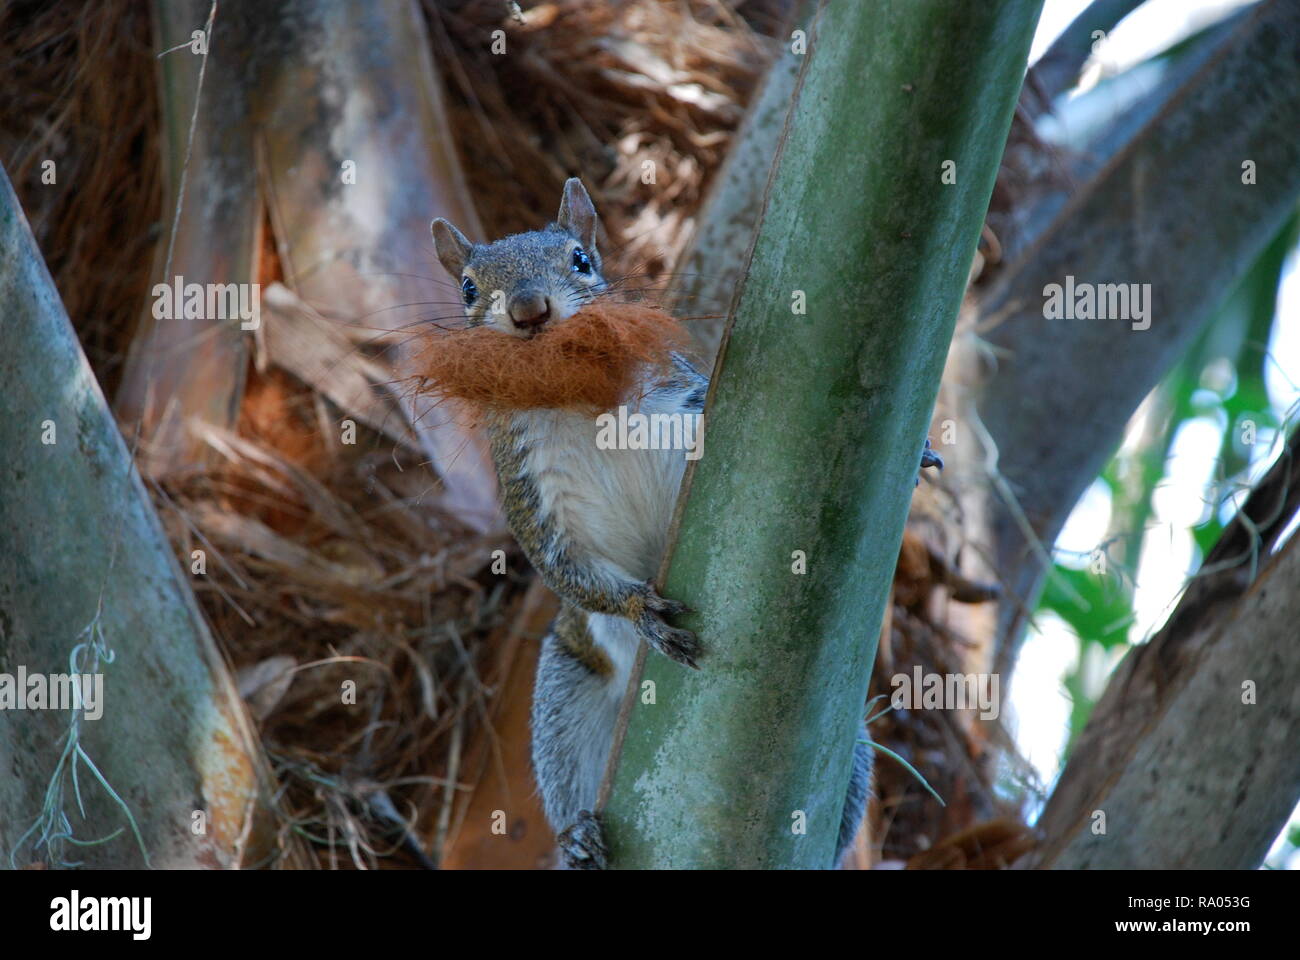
[855, 801]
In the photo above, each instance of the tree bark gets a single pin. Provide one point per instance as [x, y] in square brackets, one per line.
[347, 83]
[1189, 759]
[185, 367]
[326, 119]
[86, 560]
[713, 264]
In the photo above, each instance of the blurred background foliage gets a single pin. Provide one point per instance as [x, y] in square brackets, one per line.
[1214, 424]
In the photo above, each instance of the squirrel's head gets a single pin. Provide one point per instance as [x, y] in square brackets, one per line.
[521, 283]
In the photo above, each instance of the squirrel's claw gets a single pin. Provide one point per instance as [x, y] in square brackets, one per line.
[928, 459]
[582, 844]
[673, 642]
[662, 605]
[680, 645]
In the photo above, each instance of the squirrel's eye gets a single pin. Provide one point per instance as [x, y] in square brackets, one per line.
[468, 290]
[581, 262]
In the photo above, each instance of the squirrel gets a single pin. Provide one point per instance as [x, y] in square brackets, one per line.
[593, 522]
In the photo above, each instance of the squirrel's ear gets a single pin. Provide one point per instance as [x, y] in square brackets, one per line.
[577, 214]
[453, 249]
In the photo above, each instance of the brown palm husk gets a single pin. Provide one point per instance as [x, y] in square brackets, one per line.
[590, 362]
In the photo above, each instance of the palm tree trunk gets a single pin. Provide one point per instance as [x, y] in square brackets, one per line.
[171, 769]
[818, 409]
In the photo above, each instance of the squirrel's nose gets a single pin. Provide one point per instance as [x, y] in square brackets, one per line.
[530, 311]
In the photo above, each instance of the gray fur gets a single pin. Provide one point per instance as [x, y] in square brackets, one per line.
[573, 717]
[573, 726]
[855, 801]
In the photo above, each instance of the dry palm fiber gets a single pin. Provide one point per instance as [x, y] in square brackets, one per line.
[589, 362]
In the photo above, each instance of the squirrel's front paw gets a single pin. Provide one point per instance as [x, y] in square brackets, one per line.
[673, 642]
[582, 844]
[662, 605]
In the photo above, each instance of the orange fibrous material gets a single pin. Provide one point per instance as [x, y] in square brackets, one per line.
[590, 362]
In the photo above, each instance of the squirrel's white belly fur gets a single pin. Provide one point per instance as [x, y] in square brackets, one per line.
[615, 505]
